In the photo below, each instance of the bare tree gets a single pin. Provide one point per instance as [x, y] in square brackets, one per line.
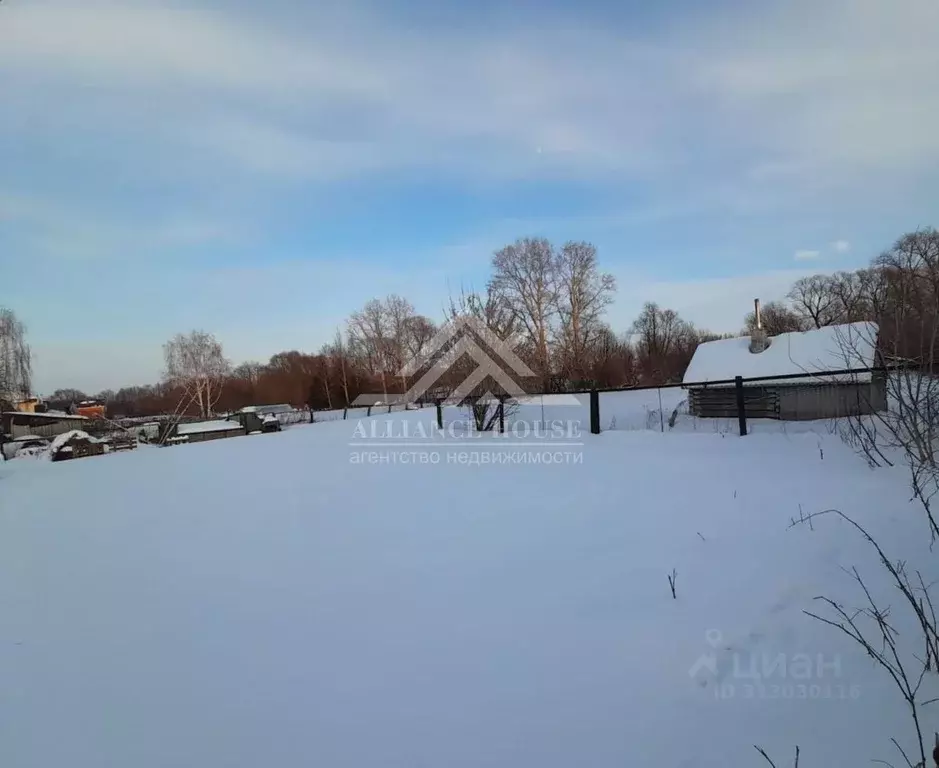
[850, 291]
[15, 358]
[379, 334]
[612, 360]
[813, 298]
[872, 628]
[767, 758]
[399, 313]
[249, 372]
[340, 355]
[523, 276]
[496, 313]
[195, 362]
[906, 337]
[420, 330]
[776, 318]
[664, 343]
[582, 295]
[63, 399]
[326, 356]
[368, 329]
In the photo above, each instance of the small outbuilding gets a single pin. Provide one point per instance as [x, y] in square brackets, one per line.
[808, 354]
[18, 424]
[200, 431]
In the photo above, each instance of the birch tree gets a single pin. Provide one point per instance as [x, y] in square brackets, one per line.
[523, 275]
[195, 362]
[15, 358]
[582, 294]
[340, 355]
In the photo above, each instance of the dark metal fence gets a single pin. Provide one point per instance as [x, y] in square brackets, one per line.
[737, 401]
[806, 396]
[744, 398]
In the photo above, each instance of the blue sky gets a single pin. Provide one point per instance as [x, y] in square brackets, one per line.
[261, 170]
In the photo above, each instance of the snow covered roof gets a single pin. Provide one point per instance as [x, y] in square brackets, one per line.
[206, 426]
[279, 408]
[58, 415]
[833, 348]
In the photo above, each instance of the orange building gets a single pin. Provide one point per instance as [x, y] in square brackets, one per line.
[91, 409]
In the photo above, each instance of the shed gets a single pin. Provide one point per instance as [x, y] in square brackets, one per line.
[268, 409]
[200, 431]
[809, 354]
[19, 424]
[267, 418]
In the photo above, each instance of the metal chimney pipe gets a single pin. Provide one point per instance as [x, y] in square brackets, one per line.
[756, 311]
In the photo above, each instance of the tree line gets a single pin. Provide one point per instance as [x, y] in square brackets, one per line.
[550, 302]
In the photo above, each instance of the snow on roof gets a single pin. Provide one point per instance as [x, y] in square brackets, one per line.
[60, 442]
[206, 426]
[279, 408]
[833, 348]
[61, 415]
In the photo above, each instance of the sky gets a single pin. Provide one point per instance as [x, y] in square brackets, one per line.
[261, 170]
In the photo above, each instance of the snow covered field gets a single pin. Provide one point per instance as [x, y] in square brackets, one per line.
[264, 601]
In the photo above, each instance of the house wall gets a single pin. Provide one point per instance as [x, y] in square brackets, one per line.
[831, 401]
[44, 427]
[250, 421]
[721, 402]
[793, 403]
[201, 437]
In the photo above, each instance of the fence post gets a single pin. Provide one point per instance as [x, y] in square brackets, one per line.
[311, 415]
[345, 412]
[369, 412]
[661, 416]
[594, 412]
[389, 409]
[741, 411]
[439, 416]
[501, 415]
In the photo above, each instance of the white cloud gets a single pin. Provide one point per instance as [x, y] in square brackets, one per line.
[355, 92]
[740, 112]
[805, 255]
[841, 246]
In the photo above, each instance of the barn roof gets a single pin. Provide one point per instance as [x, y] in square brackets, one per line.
[833, 348]
[55, 416]
[279, 408]
[197, 427]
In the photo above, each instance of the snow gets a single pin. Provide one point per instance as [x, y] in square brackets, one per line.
[407, 614]
[26, 438]
[206, 426]
[61, 441]
[636, 410]
[338, 414]
[835, 347]
[277, 408]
